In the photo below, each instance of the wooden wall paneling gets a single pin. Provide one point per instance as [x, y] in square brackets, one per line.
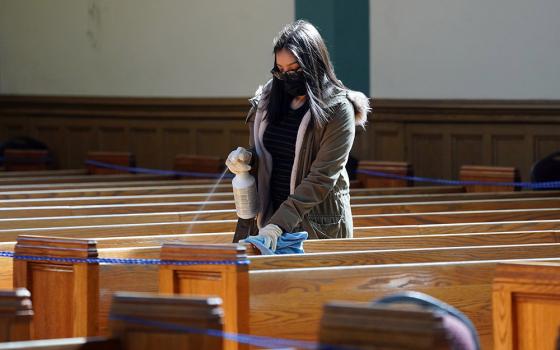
[238, 137]
[487, 147]
[9, 130]
[447, 156]
[175, 140]
[466, 149]
[386, 142]
[52, 134]
[211, 142]
[514, 133]
[545, 143]
[510, 150]
[145, 144]
[360, 148]
[426, 152]
[112, 138]
[83, 140]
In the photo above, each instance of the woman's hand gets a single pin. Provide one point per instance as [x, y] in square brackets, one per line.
[270, 234]
[238, 160]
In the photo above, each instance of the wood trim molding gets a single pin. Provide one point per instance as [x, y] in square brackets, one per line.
[460, 111]
[400, 110]
[124, 107]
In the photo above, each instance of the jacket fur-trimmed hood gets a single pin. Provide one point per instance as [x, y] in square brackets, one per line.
[359, 101]
[361, 106]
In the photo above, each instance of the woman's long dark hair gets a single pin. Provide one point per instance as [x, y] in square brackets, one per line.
[303, 40]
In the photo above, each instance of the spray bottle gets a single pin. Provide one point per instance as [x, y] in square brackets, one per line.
[245, 195]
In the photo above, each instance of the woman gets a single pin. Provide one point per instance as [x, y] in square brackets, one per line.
[302, 125]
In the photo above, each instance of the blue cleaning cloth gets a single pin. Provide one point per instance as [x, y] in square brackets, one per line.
[288, 243]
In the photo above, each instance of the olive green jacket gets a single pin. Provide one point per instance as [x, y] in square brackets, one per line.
[319, 200]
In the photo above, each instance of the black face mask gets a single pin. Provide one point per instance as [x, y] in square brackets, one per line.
[295, 86]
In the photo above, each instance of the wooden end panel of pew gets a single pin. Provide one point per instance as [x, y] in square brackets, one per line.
[116, 158]
[15, 315]
[215, 270]
[143, 321]
[489, 174]
[26, 159]
[200, 164]
[526, 306]
[78, 282]
[395, 168]
[381, 326]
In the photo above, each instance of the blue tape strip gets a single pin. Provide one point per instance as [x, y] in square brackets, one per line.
[121, 261]
[259, 341]
[531, 185]
[137, 170]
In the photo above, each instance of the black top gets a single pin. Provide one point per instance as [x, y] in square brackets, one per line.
[280, 141]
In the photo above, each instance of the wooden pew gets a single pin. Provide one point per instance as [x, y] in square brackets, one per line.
[197, 313]
[375, 240]
[148, 246]
[526, 306]
[45, 180]
[223, 221]
[456, 217]
[16, 313]
[126, 277]
[466, 285]
[227, 226]
[345, 324]
[357, 209]
[394, 168]
[228, 196]
[27, 159]
[356, 198]
[38, 173]
[120, 245]
[211, 211]
[152, 310]
[483, 173]
[133, 182]
[126, 159]
[175, 187]
[198, 164]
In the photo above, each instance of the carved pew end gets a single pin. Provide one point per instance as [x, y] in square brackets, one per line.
[226, 276]
[151, 321]
[27, 159]
[395, 168]
[117, 158]
[384, 326]
[489, 174]
[55, 317]
[16, 314]
[526, 305]
[199, 164]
